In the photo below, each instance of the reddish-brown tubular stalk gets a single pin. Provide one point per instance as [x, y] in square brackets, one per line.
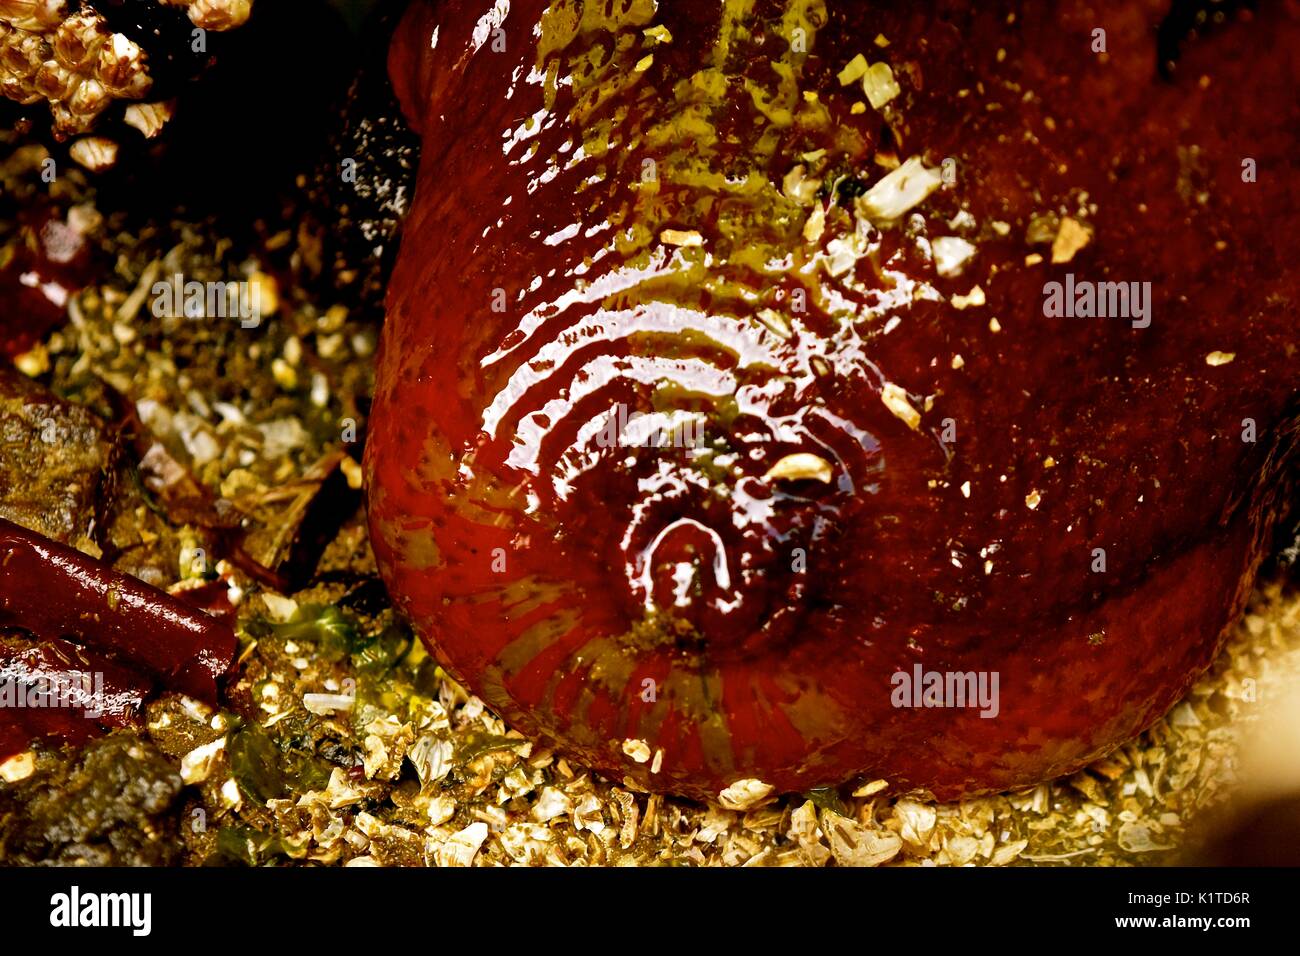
[134, 636]
[78, 692]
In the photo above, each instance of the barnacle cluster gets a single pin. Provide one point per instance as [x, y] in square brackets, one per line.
[65, 53]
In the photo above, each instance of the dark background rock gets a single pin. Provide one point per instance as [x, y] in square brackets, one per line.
[114, 804]
[56, 462]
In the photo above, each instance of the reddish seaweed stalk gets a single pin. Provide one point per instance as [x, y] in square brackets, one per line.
[57, 689]
[122, 628]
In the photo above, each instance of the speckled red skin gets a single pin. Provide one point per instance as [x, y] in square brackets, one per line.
[793, 687]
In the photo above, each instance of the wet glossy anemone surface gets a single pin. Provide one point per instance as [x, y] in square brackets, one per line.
[721, 384]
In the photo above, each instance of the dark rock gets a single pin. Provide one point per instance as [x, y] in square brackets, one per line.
[56, 463]
[114, 805]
